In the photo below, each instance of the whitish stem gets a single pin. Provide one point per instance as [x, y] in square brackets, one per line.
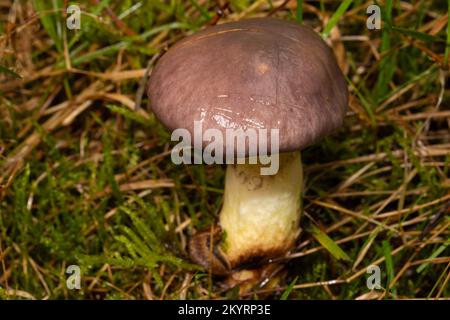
[260, 214]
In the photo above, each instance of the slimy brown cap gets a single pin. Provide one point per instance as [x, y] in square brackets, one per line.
[256, 73]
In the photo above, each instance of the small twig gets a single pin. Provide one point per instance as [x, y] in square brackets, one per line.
[220, 12]
[435, 220]
[119, 23]
[275, 10]
[143, 83]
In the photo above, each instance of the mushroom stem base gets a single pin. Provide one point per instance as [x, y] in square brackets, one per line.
[260, 214]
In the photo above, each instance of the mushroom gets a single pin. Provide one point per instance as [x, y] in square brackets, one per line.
[256, 73]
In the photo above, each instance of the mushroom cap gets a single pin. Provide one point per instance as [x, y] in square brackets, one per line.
[258, 73]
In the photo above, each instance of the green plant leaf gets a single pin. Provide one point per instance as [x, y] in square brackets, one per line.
[289, 289]
[10, 72]
[435, 254]
[130, 114]
[328, 243]
[387, 252]
[335, 17]
[50, 14]
[299, 15]
[417, 35]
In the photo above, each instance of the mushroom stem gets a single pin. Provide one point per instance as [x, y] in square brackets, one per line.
[260, 214]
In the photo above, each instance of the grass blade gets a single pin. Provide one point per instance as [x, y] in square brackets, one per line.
[130, 114]
[435, 254]
[388, 60]
[366, 246]
[425, 37]
[10, 72]
[328, 243]
[299, 11]
[50, 13]
[447, 47]
[335, 18]
[366, 105]
[387, 252]
[289, 289]
[200, 9]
